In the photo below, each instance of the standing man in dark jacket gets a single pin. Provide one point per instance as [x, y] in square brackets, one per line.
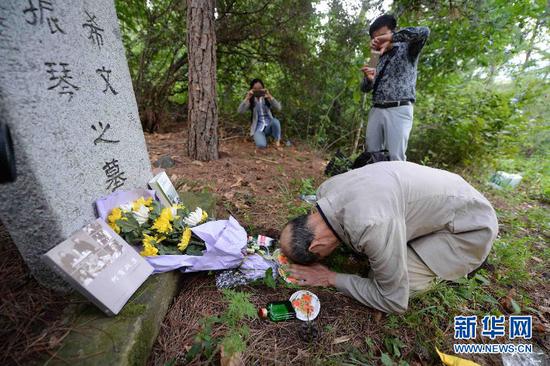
[393, 85]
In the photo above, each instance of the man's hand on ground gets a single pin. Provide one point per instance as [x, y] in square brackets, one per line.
[313, 275]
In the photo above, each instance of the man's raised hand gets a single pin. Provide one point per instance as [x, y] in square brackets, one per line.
[382, 42]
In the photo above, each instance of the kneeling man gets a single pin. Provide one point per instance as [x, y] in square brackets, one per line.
[413, 222]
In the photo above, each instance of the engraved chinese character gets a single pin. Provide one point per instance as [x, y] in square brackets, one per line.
[114, 175]
[103, 130]
[95, 32]
[60, 73]
[35, 15]
[105, 75]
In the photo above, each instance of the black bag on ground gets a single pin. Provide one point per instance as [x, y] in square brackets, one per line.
[338, 164]
[370, 157]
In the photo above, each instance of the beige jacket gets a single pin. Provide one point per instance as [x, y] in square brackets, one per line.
[381, 208]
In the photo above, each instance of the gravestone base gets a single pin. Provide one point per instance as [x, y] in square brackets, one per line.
[126, 339]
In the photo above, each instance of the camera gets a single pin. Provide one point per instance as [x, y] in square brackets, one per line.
[259, 93]
[374, 58]
[7, 157]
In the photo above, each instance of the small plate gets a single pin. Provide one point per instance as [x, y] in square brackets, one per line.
[306, 304]
[283, 262]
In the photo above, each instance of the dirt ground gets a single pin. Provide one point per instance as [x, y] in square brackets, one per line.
[253, 186]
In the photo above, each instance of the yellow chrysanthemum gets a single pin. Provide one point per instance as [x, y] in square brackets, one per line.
[185, 238]
[167, 213]
[204, 216]
[162, 225]
[149, 250]
[148, 240]
[138, 203]
[148, 201]
[115, 227]
[116, 214]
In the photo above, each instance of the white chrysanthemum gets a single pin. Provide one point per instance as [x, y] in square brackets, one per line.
[127, 207]
[141, 215]
[194, 217]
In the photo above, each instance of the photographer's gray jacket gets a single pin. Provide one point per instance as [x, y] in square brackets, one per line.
[245, 105]
[399, 78]
[382, 208]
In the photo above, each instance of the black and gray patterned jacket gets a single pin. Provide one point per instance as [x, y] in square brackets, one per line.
[399, 78]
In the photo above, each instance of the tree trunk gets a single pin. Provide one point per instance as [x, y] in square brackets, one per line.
[531, 45]
[203, 113]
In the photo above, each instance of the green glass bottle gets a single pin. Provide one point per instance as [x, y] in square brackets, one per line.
[278, 311]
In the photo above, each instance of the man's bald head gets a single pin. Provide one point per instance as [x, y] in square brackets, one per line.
[296, 239]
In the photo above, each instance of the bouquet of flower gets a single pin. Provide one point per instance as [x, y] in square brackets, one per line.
[158, 230]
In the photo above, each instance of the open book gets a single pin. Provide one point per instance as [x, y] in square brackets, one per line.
[166, 192]
[100, 265]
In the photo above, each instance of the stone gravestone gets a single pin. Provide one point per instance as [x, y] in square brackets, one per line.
[66, 93]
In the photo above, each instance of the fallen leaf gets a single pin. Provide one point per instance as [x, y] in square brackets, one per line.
[241, 206]
[197, 163]
[537, 259]
[540, 326]
[454, 361]
[508, 302]
[53, 342]
[229, 195]
[184, 188]
[341, 339]
[235, 359]
[237, 183]
[378, 316]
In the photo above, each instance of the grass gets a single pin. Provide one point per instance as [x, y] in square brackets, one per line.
[233, 341]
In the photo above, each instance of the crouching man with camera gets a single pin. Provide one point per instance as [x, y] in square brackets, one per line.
[392, 79]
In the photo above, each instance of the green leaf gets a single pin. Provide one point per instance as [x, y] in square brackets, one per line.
[490, 299]
[167, 250]
[515, 306]
[194, 249]
[127, 226]
[386, 360]
[484, 280]
[269, 281]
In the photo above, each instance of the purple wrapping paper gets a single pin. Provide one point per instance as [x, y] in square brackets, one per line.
[225, 241]
[254, 267]
[105, 205]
